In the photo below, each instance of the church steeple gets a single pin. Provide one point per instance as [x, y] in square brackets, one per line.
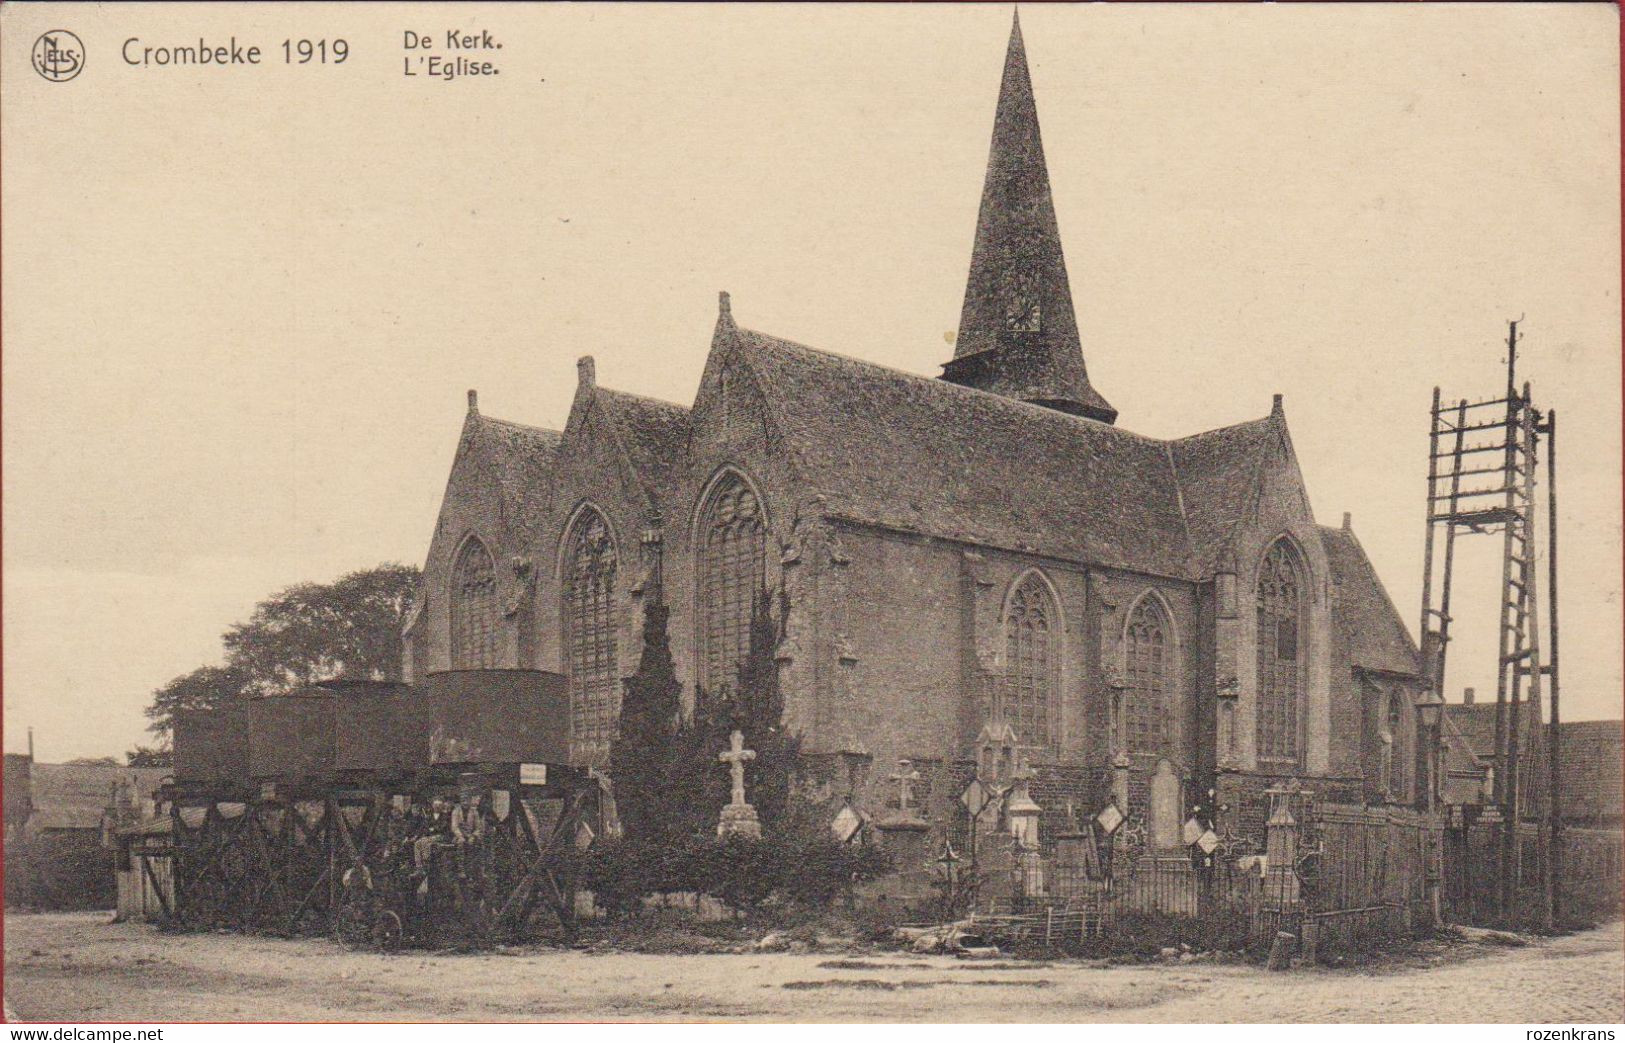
[1017, 334]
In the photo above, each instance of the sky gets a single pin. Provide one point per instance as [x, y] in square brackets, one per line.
[242, 305]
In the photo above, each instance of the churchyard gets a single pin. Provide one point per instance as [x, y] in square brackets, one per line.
[722, 711]
[80, 967]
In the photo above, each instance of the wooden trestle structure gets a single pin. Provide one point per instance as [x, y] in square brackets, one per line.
[446, 814]
[1482, 462]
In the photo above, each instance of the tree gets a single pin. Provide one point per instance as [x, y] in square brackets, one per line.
[697, 785]
[206, 688]
[306, 633]
[759, 712]
[643, 753]
[313, 632]
[150, 757]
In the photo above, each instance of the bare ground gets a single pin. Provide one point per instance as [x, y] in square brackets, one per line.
[80, 967]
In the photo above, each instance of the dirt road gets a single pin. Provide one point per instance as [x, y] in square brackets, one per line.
[73, 967]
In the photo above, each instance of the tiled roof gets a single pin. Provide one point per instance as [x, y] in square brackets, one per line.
[907, 452]
[1476, 722]
[1377, 637]
[1593, 759]
[1601, 733]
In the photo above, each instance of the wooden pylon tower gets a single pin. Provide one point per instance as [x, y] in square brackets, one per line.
[1482, 461]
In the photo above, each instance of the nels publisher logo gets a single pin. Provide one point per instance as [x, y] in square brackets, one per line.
[58, 55]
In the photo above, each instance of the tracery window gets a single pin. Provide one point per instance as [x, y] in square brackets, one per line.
[474, 613]
[732, 544]
[1280, 644]
[1146, 650]
[589, 616]
[1030, 660]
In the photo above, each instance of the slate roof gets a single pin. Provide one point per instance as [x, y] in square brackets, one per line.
[907, 452]
[1593, 733]
[14, 788]
[1377, 638]
[524, 460]
[74, 796]
[1218, 474]
[1018, 269]
[655, 435]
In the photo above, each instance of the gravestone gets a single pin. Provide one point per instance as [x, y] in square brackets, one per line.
[1166, 812]
[903, 831]
[738, 817]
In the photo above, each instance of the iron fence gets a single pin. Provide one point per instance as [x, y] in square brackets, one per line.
[1347, 878]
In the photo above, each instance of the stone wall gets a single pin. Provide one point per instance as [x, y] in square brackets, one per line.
[1281, 510]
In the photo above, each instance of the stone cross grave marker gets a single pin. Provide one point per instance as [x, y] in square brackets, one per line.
[905, 778]
[735, 757]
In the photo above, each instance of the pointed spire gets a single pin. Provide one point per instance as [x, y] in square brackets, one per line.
[1017, 333]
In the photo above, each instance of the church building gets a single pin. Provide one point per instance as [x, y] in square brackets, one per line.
[979, 571]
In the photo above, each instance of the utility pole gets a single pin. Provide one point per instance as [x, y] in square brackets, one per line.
[1506, 681]
[1554, 796]
[1528, 635]
[1499, 498]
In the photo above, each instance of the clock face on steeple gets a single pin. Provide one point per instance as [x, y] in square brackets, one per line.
[1022, 311]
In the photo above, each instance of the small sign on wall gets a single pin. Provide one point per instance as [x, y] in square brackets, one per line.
[532, 774]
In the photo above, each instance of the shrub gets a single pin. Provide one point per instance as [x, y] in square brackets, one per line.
[790, 870]
[61, 870]
[618, 874]
[814, 870]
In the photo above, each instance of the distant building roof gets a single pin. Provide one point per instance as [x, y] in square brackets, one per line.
[17, 796]
[1476, 723]
[147, 827]
[66, 817]
[1593, 762]
[75, 796]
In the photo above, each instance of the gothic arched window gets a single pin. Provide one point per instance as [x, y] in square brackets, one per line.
[474, 611]
[589, 622]
[1146, 650]
[1030, 647]
[732, 541]
[1280, 652]
[1396, 747]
